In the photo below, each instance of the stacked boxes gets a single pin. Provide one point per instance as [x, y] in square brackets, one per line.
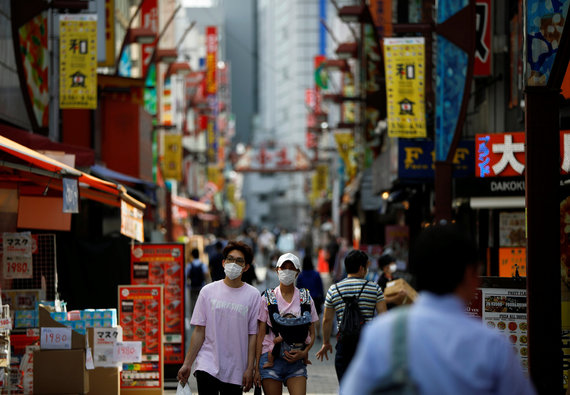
[80, 320]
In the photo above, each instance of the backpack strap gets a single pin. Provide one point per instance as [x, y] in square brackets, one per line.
[358, 297]
[272, 307]
[305, 298]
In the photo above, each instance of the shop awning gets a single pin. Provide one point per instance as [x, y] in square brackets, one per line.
[40, 166]
[190, 205]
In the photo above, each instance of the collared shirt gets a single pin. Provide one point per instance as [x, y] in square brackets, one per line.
[351, 286]
[448, 352]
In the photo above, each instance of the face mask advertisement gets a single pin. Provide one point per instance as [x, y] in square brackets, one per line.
[164, 264]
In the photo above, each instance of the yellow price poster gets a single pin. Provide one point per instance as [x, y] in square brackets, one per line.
[405, 86]
[172, 160]
[78, 61]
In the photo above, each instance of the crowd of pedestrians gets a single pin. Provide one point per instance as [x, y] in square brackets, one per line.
[243, 338]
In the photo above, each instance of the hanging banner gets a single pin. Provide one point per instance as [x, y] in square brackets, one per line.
[267, 160]
[149, 20]
[345, 147]
[483, 52]
[106, 33]
[164, 264]
[381, 11]
[211, 59]
[415, 159]
[132, 222]
[172, 159]
[404, 64]
[78, 61]
[17, 255]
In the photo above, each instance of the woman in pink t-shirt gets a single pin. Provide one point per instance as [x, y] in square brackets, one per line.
[288, 369]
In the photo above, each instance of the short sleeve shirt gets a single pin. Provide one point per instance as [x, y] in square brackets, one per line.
[284, 308]
[351, 286]
[229, 316]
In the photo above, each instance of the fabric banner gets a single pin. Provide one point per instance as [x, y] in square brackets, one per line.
[404, 64]
[345, 146]
[78, 61]
[172, 160]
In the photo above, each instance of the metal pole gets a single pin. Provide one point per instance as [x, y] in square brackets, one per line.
[542, 177]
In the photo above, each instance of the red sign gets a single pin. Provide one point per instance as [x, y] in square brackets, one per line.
[149, 20]
[139, 316]
[211, 59]
[164, 264]
[503, 154]
[483, 52]
[267, 160]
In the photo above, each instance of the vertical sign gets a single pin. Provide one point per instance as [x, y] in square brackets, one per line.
[405, 87]
[381, 11]
[78, 61]
[164, 264]
[172, 160]
[211, 91]
[149, 20]
[139, 316]
[132, 222]
[483, 52]
[106, 33]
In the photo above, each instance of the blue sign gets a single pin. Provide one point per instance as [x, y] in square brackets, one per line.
[416, 159]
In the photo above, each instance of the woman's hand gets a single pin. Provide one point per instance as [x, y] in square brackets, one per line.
[295, 355]
[257, 378]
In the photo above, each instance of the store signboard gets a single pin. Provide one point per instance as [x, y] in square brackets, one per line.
[416, 159]
[512, 261]
[132, 222]
[405, 87]
[149, 20]
[381, 11]
[78, 61]
[501, 304]
[164, 264]
[211, 59]
[172, 159]
[104, 340]
[106, 33]
[483, 51]
[503, 154]
[17, 255]
[139, 316]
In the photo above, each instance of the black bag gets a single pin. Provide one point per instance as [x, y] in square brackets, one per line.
[352, 319]
[196, 275]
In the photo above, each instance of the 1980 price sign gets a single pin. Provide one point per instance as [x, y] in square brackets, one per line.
[55, 339]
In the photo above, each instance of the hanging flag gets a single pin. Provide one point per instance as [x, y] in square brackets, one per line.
[172, 161]
[78, 61]
[345, 146]
[405, 89]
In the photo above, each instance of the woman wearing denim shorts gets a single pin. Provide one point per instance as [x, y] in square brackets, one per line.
[289, 368]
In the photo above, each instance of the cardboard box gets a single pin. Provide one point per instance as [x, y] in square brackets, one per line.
[60, 372]
[393, 287]
[104, 381]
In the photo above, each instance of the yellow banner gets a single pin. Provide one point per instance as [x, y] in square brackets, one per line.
[345, 146]
[108, 35]
[78, 61]
[172, 160]
[405, 86]
[240, 209]
[216, 176]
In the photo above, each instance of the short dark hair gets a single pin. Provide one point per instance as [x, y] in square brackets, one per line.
[195, 253]
[385, 260]
[440, 256]
[308, 262]
[240, 246]
[354, 260]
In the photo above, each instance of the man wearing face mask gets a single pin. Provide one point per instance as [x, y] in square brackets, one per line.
[287, 367]
[225, 328]
[370, 300]
[387, 265]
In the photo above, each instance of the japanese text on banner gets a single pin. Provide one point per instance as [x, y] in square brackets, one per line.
[405, 88]
[78, 61]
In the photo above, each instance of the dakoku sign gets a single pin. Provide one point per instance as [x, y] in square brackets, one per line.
[503, 154]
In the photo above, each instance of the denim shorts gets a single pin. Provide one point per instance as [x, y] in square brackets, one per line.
[281, 370]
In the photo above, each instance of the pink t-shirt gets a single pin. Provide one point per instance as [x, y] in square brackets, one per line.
[229, 315]
[284, 308]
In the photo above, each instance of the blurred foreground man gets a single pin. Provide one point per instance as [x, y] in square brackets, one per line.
[444, 351]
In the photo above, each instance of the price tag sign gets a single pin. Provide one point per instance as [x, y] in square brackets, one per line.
[17, 255]
[127, 352]
[55, 339]
[5, 324]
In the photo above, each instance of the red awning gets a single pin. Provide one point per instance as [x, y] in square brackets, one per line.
[90, 187]
[84, 157]
[190, 205]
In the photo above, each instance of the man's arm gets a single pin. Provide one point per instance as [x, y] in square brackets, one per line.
[328, 319]
[259, 343]
[196, 342]
[251, 358]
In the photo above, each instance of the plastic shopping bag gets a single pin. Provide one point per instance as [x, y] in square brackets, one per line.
[183, 389]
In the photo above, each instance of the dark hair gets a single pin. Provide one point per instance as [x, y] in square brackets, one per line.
[218, 245]
[440, 256]
[308, 263]
[385, 260]
[354, 260]
[240, 246]
[195, 253]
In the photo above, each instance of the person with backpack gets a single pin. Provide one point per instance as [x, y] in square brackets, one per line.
[196, 273]
[298, 333]
[434, 347]
[354, 300]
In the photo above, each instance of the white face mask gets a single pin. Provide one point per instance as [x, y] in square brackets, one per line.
[287, 277]
[393, 267]
[232, 270]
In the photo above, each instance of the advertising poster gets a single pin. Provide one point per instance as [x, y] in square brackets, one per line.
[17, 255]
[405, 87]
[139, 316]
[149, 20]
[512, 229]
[164, 264]
[512, 260]
[78, 61]
[172, 159]
[483, 52]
